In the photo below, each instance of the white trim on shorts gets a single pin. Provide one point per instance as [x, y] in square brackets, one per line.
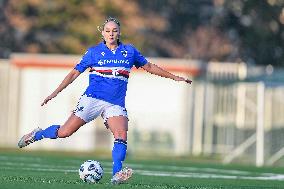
[89, 108]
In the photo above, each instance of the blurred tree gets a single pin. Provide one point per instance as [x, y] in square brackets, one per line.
[53, 26]
[239, 30]
[6, 34]
[189, 30]
[260, 29]
[67, 27]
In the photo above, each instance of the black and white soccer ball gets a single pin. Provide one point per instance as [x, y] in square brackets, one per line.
[91, 171]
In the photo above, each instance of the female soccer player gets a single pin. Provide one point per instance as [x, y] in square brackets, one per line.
[110, 62]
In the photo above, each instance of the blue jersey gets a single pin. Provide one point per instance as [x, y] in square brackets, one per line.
[109, 71]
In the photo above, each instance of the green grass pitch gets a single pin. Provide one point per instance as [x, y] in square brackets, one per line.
[40, 170]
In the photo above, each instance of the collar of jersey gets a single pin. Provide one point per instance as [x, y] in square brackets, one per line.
[106, 48]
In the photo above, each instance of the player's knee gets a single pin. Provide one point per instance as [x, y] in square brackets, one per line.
[120, 134]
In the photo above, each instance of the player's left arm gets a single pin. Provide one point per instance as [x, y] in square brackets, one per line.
[154, 69]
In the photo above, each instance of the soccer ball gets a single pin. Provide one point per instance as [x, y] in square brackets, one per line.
[91, 171]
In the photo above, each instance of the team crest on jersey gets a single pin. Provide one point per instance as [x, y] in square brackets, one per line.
[103, 53]
[124, 53]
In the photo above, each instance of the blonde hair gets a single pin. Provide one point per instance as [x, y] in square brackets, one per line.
[109, 19]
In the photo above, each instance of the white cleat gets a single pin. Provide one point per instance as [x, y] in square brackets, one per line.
[122, 176]
[28, 138]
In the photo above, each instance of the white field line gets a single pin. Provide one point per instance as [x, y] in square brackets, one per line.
[36, 165]
[50, 168]
[37, 159]
[277, 177]
[195, 169]
[178, 168]
[140, 166]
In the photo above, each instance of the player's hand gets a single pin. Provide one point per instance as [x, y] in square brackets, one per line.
[48, 99]
[178, 78]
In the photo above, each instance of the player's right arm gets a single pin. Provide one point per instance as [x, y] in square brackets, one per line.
[85, 63]
[66, 81]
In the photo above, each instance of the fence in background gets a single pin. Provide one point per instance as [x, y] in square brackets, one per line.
[242, 120]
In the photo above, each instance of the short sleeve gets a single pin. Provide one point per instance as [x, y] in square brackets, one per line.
[85, 62]
[139, 59]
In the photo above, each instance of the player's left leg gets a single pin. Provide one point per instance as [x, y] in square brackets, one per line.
[53, 132]
[119, 127]
[87, 109]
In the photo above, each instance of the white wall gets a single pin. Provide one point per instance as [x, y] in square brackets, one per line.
[157, 104]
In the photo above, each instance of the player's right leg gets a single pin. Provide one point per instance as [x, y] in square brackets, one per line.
[87, 109]
[54, 131]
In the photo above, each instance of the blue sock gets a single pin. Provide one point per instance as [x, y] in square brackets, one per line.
[49, 132]
[118, 154]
